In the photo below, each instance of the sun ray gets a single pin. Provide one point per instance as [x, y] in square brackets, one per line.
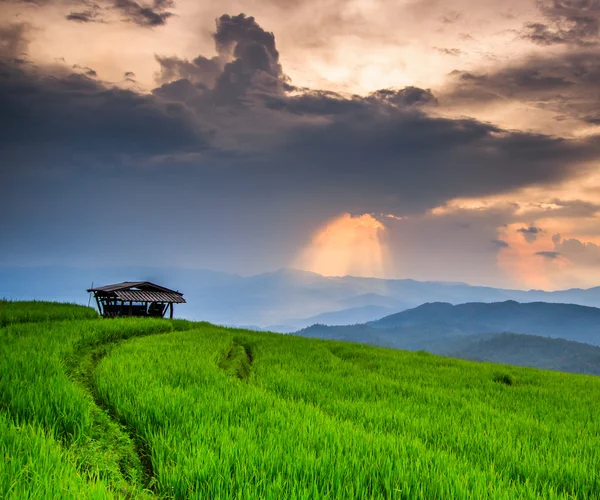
[347, 245]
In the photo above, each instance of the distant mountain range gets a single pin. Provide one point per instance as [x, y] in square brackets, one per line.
[285, 300]
[544, 335]
[567, 321]
[534, 328]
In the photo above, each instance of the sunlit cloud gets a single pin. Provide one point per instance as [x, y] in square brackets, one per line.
[347, 245]
[529, 257]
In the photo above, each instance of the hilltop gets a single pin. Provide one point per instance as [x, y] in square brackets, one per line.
[149, 408]
[467, 330]
[567, 321]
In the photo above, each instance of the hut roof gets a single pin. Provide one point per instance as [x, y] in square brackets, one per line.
[139, 291]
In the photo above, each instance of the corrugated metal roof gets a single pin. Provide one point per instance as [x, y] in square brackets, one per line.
[145, 286]
[117, 286]
[139, 291]
[149, 296]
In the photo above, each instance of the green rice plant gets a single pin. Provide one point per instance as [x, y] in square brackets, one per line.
[136, 408]
[43, 383]
[34, 311]
[35, 465]
[317, 419]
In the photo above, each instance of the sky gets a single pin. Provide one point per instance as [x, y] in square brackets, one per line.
[425, 139]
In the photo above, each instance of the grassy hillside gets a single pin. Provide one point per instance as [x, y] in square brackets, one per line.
[33, 311]
[563, 337]
[93, 408]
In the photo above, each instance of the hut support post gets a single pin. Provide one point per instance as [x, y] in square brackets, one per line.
[171, 311]
[100, 310]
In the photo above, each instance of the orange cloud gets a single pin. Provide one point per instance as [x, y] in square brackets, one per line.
[530, 258]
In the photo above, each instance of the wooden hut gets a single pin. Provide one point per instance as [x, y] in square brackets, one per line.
[136, 298]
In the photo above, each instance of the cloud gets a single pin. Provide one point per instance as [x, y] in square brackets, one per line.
[68, 116]
[548, 254]
[198, 71]
[14, 39]
[529, 230]
[84, 16]
[237, 112]
[565, 83]
[408, 96]
[247, 60]
[575, 22]
[449, 51]
[500, 243]
[235, 34]
[255, 60]
[145, 15]
[529, 233]
[580, 253]
[86, 70]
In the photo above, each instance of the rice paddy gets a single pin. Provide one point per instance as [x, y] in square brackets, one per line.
[142, 408]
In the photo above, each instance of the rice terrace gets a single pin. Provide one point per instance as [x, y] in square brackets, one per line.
[158, 408]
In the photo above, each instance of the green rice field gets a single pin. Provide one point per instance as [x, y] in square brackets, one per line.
[148, 408]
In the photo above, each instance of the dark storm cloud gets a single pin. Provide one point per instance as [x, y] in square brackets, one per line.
[237, 122]
[235, 34]
[255, 60]
[565, 83]
[199, 71]
[49, 119]
[247, 59]
[418, 159]
[52, 113]
[575, 22]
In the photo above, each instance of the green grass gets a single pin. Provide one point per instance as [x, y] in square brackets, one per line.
[34, 311]
[171, 409]
[44, 368]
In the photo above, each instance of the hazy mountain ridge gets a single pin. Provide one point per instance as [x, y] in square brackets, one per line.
[531, 350]
[568, 321]
[543, 335]
[283, 300]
